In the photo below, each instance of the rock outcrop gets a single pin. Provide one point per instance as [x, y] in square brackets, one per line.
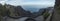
[56, 15]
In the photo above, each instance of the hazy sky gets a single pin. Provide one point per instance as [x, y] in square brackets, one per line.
[29, 2]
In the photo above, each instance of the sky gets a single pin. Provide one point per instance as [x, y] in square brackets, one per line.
[46, 3]
[29, 2]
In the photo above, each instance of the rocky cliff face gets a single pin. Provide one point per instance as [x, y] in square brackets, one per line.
[56, 15]
[16, 11]
[19, 10]
[2, 11]
[23, 12]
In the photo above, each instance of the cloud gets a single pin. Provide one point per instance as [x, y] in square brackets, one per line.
[38, 0]
[29, 2]
[3, 1]
[14, 2]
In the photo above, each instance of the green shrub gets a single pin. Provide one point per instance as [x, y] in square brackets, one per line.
[46, 14]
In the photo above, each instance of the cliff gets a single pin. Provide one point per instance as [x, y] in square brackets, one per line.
[56, 15]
